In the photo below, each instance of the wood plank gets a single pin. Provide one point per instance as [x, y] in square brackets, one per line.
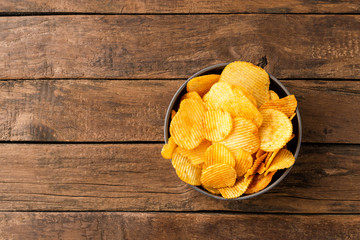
[176, 46]
[186, 6]
[63, 177]
[94, 110]
[175, 226]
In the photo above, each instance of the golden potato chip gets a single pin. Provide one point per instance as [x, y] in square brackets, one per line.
[284, 159]
[259, 182]
[286, 105]
[243, 107]
[247, 94]
[186, 172]
[244, 135]
[212, 190]
[271, 158]
[273, 95]
[218, 176]
[219, 95]
[275, 131]
[261, 169]
[168, 149]
[253, 78]
[217, 124]
[187, 126]
[217, 154]
[237, 190]
[259, 153]
[173, 112]
[192, 95]
[195, 156]
[202, 84]
[292, 116]
[243, 161]
[255, 166]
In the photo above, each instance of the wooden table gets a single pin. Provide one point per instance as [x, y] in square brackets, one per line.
[84, 89]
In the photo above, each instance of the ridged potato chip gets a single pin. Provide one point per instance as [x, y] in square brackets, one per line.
[275, 131]
[259, 182]
[202, 84]
[219, 96]
[246, 108]
[255, 166]
[283, 159]
[217, 125]
[271, 158]
[195, 156]
[253, 78]
[244, 135]
[186, 172]
[217, 154]
[212, 190]
[243, 162]
[261, 169]
[173, 112]
[273, 95]
[187, 126]
[247, 94]
[237, 190]
[286, 105]
[218, 176]
[168, 149]
[192, 95]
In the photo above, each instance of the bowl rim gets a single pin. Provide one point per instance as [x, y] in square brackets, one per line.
[167, 122]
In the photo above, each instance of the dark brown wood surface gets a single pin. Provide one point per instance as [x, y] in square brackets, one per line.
[84, 87]
[175, 226]
[134, 177]
[186, 6]
[93, 110]
[177, 46]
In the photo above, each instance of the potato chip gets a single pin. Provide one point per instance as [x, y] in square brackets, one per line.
[259, 153]
[259, 182]
[284, 159]
[243, 107]
[261, 169]
[255, 166]
[275, 131]
[187, 126]
[244, 135]
[168, 149]
[246, 93]
[219, 95]
[212, 190]
[173, 112]
[243, 161]
[218, 176]
[291, 138]
[271, 158]
[202, 84]
[192, 95]
[195, 156]
[237, 190]
[217, 125]
[253, 78]
[286, 105]
[273, 95]
[292, 116]
[217, 154]
[186, 172]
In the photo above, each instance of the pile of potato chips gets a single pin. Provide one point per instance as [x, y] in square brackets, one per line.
[230, 132]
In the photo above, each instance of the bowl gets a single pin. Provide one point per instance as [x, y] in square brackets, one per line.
[275, 85]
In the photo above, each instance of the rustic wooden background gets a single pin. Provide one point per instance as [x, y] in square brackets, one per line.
[84, 86]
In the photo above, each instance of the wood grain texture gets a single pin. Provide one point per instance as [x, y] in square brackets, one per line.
[78, 226]
[63, 177]
[186, 6]
[176, 46]
[113, 110]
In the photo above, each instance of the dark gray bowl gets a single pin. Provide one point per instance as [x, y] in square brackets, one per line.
[279, 88]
